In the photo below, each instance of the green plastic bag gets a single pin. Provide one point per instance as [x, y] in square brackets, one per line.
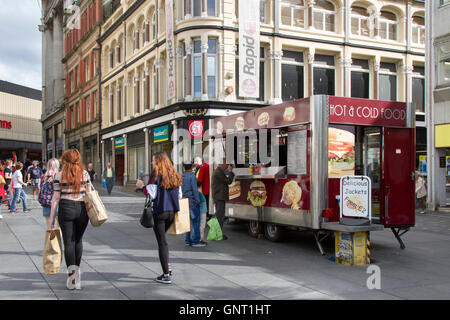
[215, 233]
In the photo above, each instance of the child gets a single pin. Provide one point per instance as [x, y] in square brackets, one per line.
[203, 210]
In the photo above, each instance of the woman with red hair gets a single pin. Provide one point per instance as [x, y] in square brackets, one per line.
[69, 188]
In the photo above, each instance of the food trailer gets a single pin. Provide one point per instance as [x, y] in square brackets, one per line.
[289, 158]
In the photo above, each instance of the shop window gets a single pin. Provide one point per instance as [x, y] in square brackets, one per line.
[292, 79]
[360, 21]
[418, 89]
[293, 13]
[418, 30]
[324, 16]
[388, 81]
[324, 75]
[388, 26]
[360, 79]
[443, 55]
[262, 73]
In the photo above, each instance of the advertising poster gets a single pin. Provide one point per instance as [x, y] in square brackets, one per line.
[355, 196]
[341, 152]
[170, 51]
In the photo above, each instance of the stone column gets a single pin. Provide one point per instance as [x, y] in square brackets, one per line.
[113, 155]
[125, 156]
[188, 9]
[310, 5]
[205, 71]
[275, 56]
[407, 71]
[204, 8]
[347, 20]
[311, 72]
[147, 162]
[346, 64]
[376, 82]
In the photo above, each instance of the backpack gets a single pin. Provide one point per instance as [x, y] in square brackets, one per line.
[46, 194]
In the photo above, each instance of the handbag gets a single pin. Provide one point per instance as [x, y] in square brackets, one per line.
[181, 222]
[2, 180]
[94, 207]
[147, 215]
[52, 255]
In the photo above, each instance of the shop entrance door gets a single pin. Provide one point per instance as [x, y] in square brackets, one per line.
[120, 168]
[398, 181]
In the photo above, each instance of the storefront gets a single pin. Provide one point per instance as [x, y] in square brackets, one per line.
[136, 155]
[119, 158]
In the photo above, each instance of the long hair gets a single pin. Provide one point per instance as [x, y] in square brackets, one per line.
[170, 178]
[52, 167]
[73, 168]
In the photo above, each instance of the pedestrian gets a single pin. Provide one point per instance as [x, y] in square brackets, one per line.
[18, 184]
[8, 178]
[421, 191]
[190, 190]
[222, 177]
[2, 189]
[203, 211]
[164, 188]
[109, 175]
[92, 174]
[69, 189]
[25, 167]
[34, 177]
[203, 177]
[47, 189]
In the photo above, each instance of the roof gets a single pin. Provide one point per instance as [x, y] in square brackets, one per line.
[18, 90]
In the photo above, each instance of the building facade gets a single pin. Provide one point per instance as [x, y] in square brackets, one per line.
[52, 79]
[20, 125]
[81, 73]
[438, 101]
[367, 49]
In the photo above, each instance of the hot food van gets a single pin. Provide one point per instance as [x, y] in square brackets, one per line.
[289, 158]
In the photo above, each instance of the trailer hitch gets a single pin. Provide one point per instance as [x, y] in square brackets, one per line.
[397, 233]
[319, 239]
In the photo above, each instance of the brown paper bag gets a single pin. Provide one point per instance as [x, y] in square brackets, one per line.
[52, 255]
[95, 209]
[182, 221]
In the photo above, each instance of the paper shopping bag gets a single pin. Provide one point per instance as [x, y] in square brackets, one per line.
[95, 209]
[182, 222]
[52, 255]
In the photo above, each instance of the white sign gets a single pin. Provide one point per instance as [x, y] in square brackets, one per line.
[249, 48]
[356, 196]
[170, 50]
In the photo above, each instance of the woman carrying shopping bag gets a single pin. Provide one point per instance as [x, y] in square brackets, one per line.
[69, 189]
[164, 189]
[46, 189]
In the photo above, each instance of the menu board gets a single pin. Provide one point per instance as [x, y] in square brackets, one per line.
[297, 152]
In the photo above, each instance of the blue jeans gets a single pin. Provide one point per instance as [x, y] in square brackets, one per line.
[18, 192]
[194, 211]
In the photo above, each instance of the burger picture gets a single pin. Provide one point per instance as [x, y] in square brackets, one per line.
[289, 114]
[234, 190]
[292, 194]
[257, 194]
[263, 119]
[341, 154]
[240, 124]
[355, 203]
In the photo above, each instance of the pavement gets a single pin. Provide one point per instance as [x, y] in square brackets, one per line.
[120, 262]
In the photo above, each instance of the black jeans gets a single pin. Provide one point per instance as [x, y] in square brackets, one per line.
[220, 212]
[73, 220]
[162, 222]
[109, 184]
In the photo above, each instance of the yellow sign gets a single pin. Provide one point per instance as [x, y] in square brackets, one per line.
[442, 135]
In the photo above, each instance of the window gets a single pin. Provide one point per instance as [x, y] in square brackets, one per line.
[154, 26]
[146, 31]
[212, 68]
[324, 79]
[443, 54]
[388, 26]
[418, 89]
[78, 112]
[119, 102]
[262, 11]
[125, 95]
[211, 8]
[86, 69]
[71, 81]
[360, 21]
[293, 13]
[135, 39]
[324, 15]
[184, 65]
[95, 104]
[118, 56]
[388, 81]
[197, 69]
[111, 58]
[360, 79]
[418, 30]
[292, 75]
[111, 105]
[94, 59]
[154, 85]
[88, 108]
[137, 100]
[196, 6]
[147, 90]
[72, 118]
[262, 64]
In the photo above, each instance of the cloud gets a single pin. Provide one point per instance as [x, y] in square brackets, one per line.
[21, 45]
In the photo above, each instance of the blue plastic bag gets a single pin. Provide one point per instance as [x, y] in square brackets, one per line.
[104, 184]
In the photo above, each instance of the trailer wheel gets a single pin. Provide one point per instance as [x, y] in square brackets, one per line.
[273, 232]
[255, 228]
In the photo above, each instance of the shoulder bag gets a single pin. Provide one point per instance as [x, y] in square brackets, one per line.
[94, 207]
[2, 180]
[147, 214]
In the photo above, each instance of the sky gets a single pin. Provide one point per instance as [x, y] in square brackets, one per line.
[21, 43]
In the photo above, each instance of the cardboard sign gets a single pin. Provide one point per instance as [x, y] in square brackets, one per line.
[356, 196]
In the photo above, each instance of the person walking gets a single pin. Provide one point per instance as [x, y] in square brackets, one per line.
[18, 184]
[8, 178]
[203, 211]
[222, 177]
[92, 174]
[109, 176]
[69, 189]
[34, 175]
[421, 191]
[164, 188]
[48, 189]
[190, 190]
[203, 177]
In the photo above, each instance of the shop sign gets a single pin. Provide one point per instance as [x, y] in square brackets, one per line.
[196, 128]
[249, 48]
[367, 112]
[170, 50]
[5, 124]
[161, 134]
[59, 143]
[355, 196]
[119, 142]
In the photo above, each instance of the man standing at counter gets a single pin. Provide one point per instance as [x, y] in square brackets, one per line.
[222, 177]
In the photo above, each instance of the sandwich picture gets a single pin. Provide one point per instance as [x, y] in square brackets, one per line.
[292, 194]
[263, 119]
[234, 190]
[341, 153]
[289, 114]
[257, 194]
[355, 203]
[240, 124]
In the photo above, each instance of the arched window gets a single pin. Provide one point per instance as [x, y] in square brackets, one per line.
[360, 21]
[154, 25]
[324, 16]
[418, 30]
[388, 25]
[293, 13]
